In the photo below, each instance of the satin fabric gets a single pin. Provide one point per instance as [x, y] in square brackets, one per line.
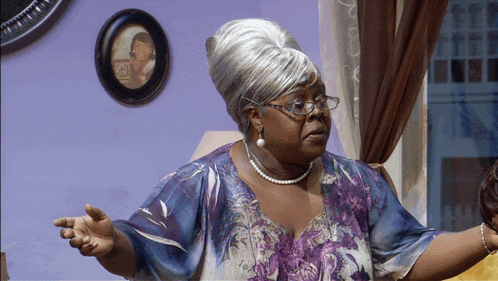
[203, 223]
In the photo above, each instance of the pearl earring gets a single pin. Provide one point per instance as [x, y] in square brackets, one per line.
[260, 142]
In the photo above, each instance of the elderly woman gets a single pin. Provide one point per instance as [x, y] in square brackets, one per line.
[275, 205]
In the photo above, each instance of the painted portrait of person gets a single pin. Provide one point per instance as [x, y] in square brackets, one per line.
[133, 57]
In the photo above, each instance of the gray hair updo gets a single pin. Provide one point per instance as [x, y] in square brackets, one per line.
[259, 60]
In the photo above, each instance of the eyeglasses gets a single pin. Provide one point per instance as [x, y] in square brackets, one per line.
[301, 108]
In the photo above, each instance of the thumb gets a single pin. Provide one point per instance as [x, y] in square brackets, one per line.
[95, 213]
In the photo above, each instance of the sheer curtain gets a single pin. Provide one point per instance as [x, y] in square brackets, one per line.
[340, 52]
[380, 96]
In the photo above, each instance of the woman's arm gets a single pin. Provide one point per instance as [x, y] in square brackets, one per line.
[450, 254]
[95, 235]
[121, 259]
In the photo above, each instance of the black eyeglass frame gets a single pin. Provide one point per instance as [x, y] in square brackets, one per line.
[290, 108]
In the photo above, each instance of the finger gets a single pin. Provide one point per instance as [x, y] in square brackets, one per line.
[77, 242]
[87, 249]
[64, 222]
[67, 233]
[95, 213]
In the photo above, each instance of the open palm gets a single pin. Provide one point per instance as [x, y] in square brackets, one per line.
[93, 234]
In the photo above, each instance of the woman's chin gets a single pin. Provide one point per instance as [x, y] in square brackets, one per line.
[310, 153]
[315, 143]
[302, 153]
[318, 152]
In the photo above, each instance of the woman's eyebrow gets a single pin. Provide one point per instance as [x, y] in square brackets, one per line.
[297, 96]
[320, 91]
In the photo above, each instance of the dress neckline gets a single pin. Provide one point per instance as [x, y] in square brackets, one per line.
[248, 190]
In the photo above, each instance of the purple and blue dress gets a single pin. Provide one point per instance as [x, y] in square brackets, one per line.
[203, 223]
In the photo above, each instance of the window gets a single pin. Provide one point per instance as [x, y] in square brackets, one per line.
[475, 71]
[457, 16]
[493, 70]
[493, 43]
[441, 71]
[442, 46]
[458, 71]
[492, 15]
[475, 15]
[475, 44]
[462, 137]
[458, 44]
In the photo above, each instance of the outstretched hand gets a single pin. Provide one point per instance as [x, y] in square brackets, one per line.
[93, 234]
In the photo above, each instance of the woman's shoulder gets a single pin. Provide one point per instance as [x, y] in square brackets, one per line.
[337, 164]
[352, 166]
[201, 166]
[354, 172]
[191, 176]
[330, 158]
[217, 155]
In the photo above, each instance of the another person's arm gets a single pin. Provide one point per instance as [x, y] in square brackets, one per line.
[450, 254]
[404, 249]
[95, 235]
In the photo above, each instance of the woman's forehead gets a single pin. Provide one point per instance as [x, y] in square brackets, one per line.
[140, 44]
[316, 88]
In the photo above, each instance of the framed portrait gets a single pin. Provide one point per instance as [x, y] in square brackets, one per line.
[26, 21]
[132, 57]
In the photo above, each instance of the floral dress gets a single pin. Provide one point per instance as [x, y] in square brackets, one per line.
[203, 223]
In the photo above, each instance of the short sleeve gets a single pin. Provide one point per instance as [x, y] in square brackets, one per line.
[168, 230]
[397, 239]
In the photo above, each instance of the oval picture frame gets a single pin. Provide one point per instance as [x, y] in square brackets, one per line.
[132, 57]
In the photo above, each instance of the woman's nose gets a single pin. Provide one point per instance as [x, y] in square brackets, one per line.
[316, 112]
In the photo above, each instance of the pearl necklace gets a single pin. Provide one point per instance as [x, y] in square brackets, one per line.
[270, 179]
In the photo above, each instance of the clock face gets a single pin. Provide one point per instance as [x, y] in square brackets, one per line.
[25, 21]
[11, 9]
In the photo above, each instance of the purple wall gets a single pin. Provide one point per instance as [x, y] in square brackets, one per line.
[66, 142]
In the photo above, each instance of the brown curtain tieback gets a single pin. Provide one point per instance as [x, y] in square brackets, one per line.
[375, 165]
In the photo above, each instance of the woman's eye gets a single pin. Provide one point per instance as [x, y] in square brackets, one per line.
[298, 105]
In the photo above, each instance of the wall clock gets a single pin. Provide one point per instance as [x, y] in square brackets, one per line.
[25, 21]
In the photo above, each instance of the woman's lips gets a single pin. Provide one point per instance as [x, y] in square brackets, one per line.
[317, 136]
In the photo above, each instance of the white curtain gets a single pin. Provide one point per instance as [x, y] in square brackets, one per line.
[340, 53]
